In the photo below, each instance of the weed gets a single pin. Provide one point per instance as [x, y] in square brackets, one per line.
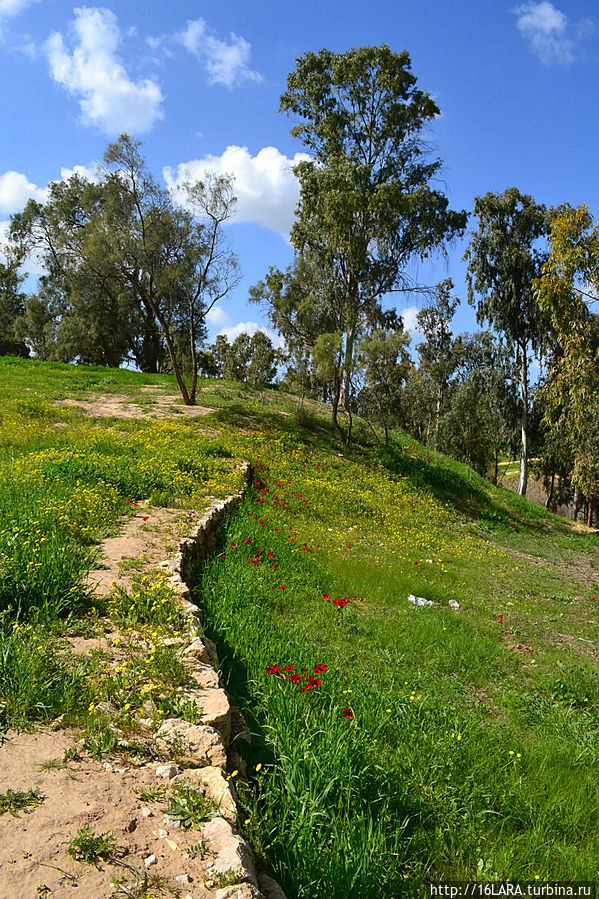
[89, 847]
[188, 805]
[15, 801]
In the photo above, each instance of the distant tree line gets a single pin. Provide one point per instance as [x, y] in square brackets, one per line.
[129, 276]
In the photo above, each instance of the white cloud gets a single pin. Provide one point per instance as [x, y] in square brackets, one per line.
[218, 318]
[225, 63]
[410, 322]
[109, 98]
[546, 29]
[15, 190]
[267, 191]
[87, 172]
[10, 8]
[250, 328]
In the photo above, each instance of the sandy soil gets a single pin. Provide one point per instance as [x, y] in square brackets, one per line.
[114, 405]
[34, 859]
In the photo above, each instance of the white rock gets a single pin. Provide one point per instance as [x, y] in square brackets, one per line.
[203, 743]
[232, 853]
[150, 860]
[167, 771]
[183, 878]
[454, 605]
[419, 600]
[147, 813]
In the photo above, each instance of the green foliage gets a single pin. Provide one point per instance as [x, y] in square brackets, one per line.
[361, 117]
[90, 847]
[503, 262]
[137, 274]
[15, 801]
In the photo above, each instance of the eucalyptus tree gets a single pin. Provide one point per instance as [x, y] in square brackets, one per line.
[504, 259]
[567, 290]
[12, 309]
[436, 352]
[122, 245]
[367, 201]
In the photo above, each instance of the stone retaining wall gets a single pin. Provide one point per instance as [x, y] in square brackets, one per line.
[207, 745]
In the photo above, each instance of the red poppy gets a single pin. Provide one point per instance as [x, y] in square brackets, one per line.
[288, 667]
[319, 669]
[283, 587]
[340, 603]
[326, 595]
[347, 713]
[272, 669]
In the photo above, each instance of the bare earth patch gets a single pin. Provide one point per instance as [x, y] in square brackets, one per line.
[113, 405]
[34, 847]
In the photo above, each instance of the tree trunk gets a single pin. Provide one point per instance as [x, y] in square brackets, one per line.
[524, 453]
[347, 368]
[590, 515]
[576, 503]
[194, 358]
[335, 406]
[550, 495]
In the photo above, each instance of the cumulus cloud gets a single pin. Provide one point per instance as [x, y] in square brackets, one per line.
[87, 172]
[267, 191]
[218, 318]
[108, 98]
[250, 328]
[548, 34]
[10, 8]
[225, 62]
[410, 322]
[15, 190]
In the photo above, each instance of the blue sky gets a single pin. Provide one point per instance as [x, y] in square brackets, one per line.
[517, 85]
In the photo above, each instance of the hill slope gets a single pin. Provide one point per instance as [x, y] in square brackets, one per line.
[393, 743]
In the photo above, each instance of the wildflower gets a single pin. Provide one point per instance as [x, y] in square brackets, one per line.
[272, 669]
[283, 587]
[347, 713]
[340, 603]
[258, 766]
[319, 669]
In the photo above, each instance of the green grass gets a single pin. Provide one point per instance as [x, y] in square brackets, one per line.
[438, 745]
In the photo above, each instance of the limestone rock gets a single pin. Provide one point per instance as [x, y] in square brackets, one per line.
[167, 772]
[216, 786]
[232, 853]
[216, 711]
[199, 741]
[203, 675]
[239, 891]
[419, 600]
[201, 650]
[269, 888]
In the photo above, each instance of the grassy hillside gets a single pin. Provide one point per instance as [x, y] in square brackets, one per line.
[392, 744]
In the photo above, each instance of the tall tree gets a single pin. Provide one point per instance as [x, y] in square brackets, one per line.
[567, 290]
[504, 259]
[124, 242]
[367, 204]
[385, 362]
[436, 351]
[12, 309]
[261, 369]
